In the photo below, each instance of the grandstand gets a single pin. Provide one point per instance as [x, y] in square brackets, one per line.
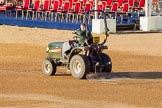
[68, 14]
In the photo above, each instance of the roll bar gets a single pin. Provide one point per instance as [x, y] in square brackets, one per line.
[105, 24]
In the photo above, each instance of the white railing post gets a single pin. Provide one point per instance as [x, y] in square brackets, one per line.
[148, 5]
[96, 7]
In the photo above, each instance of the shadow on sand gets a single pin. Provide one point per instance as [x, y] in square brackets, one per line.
[62, 74]
[123, 75]
[120, 75]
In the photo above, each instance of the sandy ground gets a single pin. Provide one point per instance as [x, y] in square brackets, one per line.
[136, 80]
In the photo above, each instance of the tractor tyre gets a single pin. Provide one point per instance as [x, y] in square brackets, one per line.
[49, 67]
[79, 66]
[106, 60]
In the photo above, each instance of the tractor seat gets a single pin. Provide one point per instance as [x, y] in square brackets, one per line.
[90, 40]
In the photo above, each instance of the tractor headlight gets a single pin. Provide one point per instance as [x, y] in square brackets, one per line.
[47, 49]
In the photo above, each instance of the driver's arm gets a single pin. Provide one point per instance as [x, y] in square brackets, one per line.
[77, 32]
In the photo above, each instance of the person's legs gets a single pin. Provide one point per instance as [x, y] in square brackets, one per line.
[65, 47]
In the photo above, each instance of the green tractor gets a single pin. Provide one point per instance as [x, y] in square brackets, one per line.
[80, 60]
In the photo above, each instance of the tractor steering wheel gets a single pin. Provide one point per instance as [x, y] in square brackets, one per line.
[76, 38]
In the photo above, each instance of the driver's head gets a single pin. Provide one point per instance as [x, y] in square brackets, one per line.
[83, 26]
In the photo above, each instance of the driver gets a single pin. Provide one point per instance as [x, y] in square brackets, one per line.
[81, 32]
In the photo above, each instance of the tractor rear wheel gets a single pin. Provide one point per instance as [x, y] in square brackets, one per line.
[106, 60]
[79, 66]
[49, 67]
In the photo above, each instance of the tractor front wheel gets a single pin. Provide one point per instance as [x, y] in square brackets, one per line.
[49, 67]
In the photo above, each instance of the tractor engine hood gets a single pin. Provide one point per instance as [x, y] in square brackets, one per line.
[54, 50]
[54, 46]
